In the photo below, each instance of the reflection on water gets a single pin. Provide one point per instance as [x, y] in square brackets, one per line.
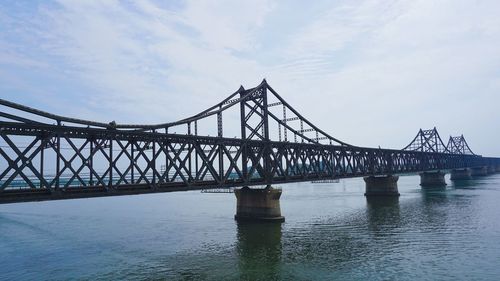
[332, 232]
[382, 212]
[259, 250]
[464, 183]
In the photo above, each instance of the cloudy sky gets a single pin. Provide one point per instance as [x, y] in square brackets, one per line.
[368, 72]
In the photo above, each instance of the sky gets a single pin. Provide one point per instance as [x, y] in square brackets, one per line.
[368, 72]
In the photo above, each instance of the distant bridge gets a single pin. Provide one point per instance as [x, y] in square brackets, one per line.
[45, 156]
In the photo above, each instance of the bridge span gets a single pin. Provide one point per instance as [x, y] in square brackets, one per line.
[251, 138]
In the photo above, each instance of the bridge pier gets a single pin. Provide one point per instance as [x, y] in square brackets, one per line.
[491, 170]
[460, 174]
[479, 171]
[432, 179]
[258, 204]
[381, 185]
[497, 169]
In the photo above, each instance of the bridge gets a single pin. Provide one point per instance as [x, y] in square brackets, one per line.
[251, 138]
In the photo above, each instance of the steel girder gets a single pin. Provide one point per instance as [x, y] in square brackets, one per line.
[167, 166]
[427, 141]
[79, 158]
[458, 145]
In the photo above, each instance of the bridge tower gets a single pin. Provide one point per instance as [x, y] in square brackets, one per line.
[429, 141]
[256, 204]
[458, 145]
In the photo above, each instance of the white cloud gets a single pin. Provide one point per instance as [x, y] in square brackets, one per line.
[369, 72]
[410, 65]
[228, 24]
[141, 58]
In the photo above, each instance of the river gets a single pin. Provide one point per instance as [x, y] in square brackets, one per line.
[332, 232]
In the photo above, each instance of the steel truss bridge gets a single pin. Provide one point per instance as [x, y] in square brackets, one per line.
[45, 156]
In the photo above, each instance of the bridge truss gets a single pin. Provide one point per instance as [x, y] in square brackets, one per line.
[458, 145]
[427, 141]
[45, 156]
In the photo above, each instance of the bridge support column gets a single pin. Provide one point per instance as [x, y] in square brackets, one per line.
[258, 204]
[497, 169]
[461, 174]
[479, 171]
[432, 179]
[381, 185]
[491, 170]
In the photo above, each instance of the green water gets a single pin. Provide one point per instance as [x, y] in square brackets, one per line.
[332, 232]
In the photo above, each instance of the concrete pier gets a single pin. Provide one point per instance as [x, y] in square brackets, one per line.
[461, 174]
[432, 179]
[381, 185]
[479, 171]
[491, 170]
[258, 204]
